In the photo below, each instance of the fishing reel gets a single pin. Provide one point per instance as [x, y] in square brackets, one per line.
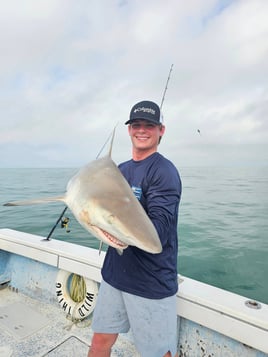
[65, 223]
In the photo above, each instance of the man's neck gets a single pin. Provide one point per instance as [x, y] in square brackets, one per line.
[138, 155]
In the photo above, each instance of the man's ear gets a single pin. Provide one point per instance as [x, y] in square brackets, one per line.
[162, 129]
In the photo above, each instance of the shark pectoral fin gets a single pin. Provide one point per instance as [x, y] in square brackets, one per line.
[35, 201]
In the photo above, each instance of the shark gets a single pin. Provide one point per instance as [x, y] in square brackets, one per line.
[103, 203]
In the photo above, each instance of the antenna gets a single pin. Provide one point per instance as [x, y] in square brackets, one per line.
[163, 97]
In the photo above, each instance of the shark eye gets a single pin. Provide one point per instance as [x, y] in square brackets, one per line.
[111, 219]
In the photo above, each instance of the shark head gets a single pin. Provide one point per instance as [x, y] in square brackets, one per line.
[104, 204]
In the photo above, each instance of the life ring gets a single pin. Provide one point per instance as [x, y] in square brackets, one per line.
[77, 310]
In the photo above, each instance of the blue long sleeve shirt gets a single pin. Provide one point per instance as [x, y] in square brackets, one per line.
[156, 183]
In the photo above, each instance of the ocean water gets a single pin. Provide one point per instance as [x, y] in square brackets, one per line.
[223, 225]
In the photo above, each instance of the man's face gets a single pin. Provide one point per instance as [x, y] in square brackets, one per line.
[145, 135]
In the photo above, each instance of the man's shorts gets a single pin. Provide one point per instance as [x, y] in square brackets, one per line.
[153, 323]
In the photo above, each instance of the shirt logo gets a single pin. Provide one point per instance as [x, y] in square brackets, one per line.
[137, 192]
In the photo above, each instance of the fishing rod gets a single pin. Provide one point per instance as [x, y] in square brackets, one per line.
[55, 225]
[65, 220]
[166, 87]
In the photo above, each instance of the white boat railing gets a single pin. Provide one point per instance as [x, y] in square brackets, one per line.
[227, 313]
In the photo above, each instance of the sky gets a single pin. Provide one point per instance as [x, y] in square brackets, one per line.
[70, 71]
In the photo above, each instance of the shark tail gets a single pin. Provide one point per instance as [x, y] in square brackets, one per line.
[36, 201]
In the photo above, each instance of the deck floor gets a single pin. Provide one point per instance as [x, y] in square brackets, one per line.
[33, 328]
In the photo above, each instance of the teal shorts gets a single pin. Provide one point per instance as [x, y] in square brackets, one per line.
[153, 323]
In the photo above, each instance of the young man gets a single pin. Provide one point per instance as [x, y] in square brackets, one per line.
[138, 290]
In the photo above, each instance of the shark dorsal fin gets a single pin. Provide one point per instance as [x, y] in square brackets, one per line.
[111, 145]
[112, 141]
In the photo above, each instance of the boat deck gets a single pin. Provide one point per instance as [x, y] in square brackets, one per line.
[29, 327]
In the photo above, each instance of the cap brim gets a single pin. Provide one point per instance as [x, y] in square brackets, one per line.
[130, 121]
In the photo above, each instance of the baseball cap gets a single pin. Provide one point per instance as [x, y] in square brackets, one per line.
[146, 110]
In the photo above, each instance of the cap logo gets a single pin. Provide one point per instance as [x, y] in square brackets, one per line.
[145, 110]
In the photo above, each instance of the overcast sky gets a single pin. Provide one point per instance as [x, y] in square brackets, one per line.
[70, 70]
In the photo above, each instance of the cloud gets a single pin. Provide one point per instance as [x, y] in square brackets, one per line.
[71, 70]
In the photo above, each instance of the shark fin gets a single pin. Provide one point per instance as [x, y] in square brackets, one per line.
[112, 141]
[35, 201]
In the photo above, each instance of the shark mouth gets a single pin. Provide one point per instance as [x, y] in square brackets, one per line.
[114, 241]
